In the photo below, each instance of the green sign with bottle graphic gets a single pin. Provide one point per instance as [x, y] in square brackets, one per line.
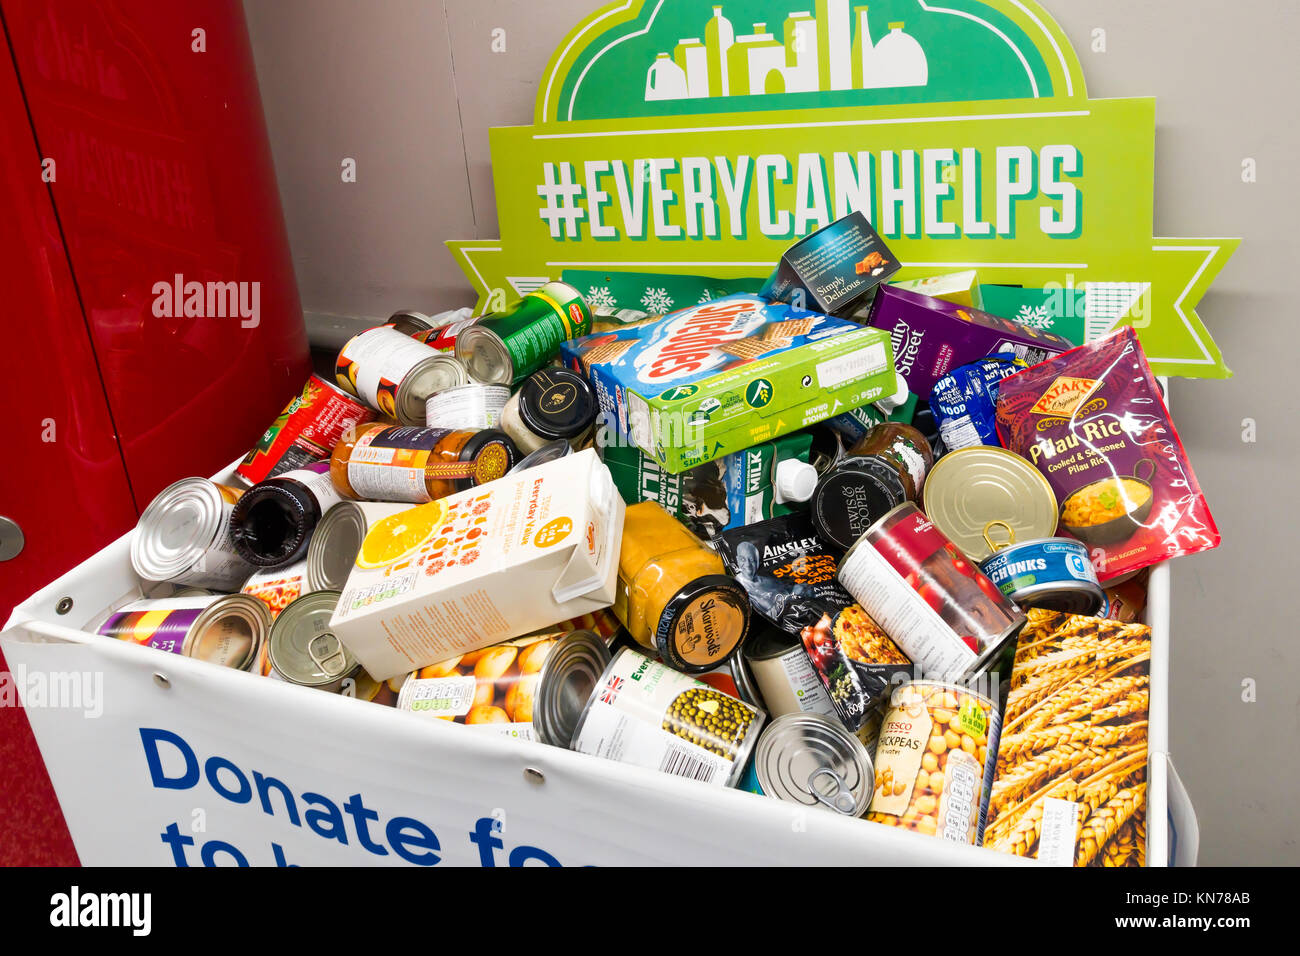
[693, 137]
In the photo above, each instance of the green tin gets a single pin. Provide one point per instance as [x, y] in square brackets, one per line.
[506, 348]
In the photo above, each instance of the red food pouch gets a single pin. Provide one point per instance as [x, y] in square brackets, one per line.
[1093, 422]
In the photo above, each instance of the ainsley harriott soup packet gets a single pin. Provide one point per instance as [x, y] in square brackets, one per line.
[1093, 422]
[490, 563]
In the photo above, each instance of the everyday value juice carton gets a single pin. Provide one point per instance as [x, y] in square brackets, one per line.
[494, 562]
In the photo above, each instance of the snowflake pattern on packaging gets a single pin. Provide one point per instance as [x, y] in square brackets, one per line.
[1036, 317]
[599, 297]
[708, 295]
[657, 300]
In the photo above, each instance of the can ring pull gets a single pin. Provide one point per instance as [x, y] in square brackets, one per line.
[842, 800]
[327, 653]
[996, 546]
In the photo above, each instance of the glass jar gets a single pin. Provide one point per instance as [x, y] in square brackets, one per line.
[904, 448]
[417, 465]
[551, 404]
[272, 522]
[674, 595]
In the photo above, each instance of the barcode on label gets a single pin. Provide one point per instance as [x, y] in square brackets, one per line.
[855, 365]
[683, 763]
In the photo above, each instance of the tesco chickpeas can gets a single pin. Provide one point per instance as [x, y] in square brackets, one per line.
[935, 757]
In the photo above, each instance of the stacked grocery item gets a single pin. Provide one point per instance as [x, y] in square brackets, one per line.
[845, 542]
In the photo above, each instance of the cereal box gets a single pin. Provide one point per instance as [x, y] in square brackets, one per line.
[725, 375]
[488, 564]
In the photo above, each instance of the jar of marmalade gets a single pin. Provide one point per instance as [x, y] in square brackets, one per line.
[404, 463]
[674, 595]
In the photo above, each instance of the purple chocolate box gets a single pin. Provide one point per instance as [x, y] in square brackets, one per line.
[932, 336]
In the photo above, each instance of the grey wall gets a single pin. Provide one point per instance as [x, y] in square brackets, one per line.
[409, 88]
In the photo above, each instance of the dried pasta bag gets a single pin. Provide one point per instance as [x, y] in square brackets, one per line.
[789, 574]
[1093, 422]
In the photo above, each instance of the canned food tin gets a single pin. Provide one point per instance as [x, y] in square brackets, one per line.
[472, 407]
[970, 487]
[935, 758]
[813, 761]
[505, 348]
[303, 650]
[226, 629]
[511, 687]
[443, 337]
[394, 373]
[335, 544]
[184, 537]
[940, 609]
[786, 680]
[644, 713]
[1051, 573]
[409, 322]
[277, 588]
[305, 432]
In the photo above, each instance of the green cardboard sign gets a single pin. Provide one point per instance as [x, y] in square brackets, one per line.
[704, 138]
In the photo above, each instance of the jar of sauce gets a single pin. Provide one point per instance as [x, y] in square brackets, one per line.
[674, 595]
[903, 447]
[551, 404]
[418, 465]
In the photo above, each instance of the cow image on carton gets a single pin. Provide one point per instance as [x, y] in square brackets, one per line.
[494, 562]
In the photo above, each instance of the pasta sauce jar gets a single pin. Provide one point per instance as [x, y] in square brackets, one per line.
[418, 465]
[674, 596]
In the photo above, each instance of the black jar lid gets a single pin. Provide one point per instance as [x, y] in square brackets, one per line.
[704, 624]
[493, 454]
[852, 496]
[556, 403]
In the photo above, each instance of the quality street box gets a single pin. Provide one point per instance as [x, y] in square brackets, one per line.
[725, 375]
[494, 562]
[931, 336]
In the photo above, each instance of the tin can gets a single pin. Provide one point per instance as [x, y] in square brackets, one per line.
[971, 487]
[442, 338]
[644, 713]
[184, 537]
[409, 322]
[302, 648]
[935, 758]
[939, 608]
[277, 588]
[336, 542]
[853, 495]
[786, 680]
[1051, 573]
[226, 629]
[502, 687]
[394, 373]
[812, 761]
[506, 348]
[305, 432]
[733, 677]
[471, 407]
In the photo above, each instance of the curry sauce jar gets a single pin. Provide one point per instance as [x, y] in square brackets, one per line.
[226, 629]
[184, 537]
[394, 373]
[1051, 573]
[644, 713]
[418, 465]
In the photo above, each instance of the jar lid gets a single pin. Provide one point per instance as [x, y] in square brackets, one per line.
[556, 403]
[852, 496]
[493, 454]
[795, 481]
[703, 624]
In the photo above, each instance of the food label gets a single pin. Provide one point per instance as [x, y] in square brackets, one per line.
[1056, 842]
[443, 338]
[373, 364]
[805, 684]
[646, 714]
[390, 464]
[846, 368]
[706, 630]
[470, 407]
[162, 628]
[439, 696]
[959, 805]
[277, 588]
[901, 745]
[305, 432]
[316, 479]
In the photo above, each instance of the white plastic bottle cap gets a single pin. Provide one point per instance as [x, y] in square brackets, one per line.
[795, 481]
[891, 402]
